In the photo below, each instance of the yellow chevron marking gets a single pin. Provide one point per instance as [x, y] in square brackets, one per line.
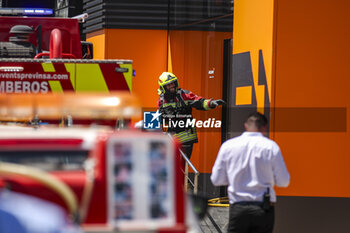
[55, 86]
[48, 67]
[70, 67]
[89, 77]
[243, 95]
[128, 75]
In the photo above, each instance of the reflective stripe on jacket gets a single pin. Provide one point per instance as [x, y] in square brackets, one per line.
[187, 136]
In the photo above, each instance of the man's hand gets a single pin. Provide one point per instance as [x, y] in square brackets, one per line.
[215, 103]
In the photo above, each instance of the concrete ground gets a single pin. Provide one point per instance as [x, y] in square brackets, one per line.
[216, 221]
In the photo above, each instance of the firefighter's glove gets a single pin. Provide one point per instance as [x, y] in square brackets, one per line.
[215, 103]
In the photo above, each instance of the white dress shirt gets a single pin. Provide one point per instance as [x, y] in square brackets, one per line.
[249, 164]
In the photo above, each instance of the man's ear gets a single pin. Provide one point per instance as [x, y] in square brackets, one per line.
[246, 126]
[263, 129]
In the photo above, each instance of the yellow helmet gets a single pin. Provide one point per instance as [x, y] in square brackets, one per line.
[165, 78]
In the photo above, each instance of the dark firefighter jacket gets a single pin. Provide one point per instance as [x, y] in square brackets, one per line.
[178, 107]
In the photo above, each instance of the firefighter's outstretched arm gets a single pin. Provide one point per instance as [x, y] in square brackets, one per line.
[206, 104]
[198, 104]
[201, 103]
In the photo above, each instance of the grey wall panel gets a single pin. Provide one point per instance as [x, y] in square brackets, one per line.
[209, 15]
[312, 215]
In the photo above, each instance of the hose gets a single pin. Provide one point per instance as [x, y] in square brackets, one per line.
[47, 180]
[219, 202]
[88, 188]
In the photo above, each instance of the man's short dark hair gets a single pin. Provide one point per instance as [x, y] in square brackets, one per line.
[258, 119]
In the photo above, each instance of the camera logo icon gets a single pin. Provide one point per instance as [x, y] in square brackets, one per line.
[151, 120]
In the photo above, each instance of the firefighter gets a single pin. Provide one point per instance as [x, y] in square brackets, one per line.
[175, 105]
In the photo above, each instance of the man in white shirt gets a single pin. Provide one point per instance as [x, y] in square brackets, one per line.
[251, 165]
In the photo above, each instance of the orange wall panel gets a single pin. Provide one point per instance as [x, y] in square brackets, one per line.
[193, 54]
[253, 25]
[305, 48]
[148, 50]
[312, 70]
[98, 40]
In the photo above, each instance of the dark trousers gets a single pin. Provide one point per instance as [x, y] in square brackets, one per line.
[250, 218]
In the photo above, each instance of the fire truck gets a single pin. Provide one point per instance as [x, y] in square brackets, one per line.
[105, 179]
[43, 54]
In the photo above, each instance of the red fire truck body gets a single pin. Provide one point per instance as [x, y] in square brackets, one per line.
[139, 188]
[69, 28]
[40, 55]
[49, 146]
[66, 152]
[124, 179]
